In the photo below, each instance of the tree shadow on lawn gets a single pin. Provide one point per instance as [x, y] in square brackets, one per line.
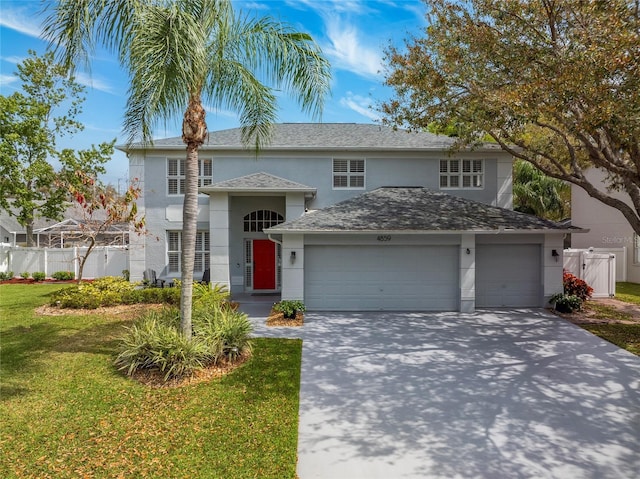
[489, 395]
[25, 348]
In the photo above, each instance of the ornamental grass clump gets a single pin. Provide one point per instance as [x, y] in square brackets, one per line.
[155, 342]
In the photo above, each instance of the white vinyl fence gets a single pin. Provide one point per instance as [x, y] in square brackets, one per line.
[597, 269]
[103, 260]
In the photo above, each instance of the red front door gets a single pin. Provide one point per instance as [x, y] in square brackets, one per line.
[264, 264]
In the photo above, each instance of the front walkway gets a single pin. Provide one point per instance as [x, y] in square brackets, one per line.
[447, 395]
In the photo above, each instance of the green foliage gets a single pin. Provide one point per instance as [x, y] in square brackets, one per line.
[156, 342]
[126, 274]
[30, 125]
[565, 303]
[39, 276]
[25, 275]
[537, 194]
[574, 286]
[7, 275]
[107, 291]
[63, 275]
[289, 307]
[59, 383]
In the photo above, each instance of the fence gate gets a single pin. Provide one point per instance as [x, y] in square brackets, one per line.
[597, 269]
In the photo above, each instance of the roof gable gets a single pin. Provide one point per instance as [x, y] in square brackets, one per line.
[257, 182]
[414, 209]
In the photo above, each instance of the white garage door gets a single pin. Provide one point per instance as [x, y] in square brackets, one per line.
[508, 276]
[369, 278]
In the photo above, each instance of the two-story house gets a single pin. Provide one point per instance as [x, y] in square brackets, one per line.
[350, 217]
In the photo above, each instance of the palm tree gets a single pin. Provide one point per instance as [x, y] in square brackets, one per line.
[537, 194]
[183, 54]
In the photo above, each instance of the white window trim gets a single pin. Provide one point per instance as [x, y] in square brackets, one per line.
[202, 179]
[636, 249]
[461, 174]
[348, 174]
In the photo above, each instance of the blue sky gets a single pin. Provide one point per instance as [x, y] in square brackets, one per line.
[352, 33]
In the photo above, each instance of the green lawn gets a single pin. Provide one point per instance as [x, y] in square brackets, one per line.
[66, 412]
[626, 336]
[628, 292]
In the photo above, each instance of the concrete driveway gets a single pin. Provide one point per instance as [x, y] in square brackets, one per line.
[508, 394]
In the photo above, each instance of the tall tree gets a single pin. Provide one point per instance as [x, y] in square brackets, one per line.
[31, 122]
[183, 54]
[554, 82]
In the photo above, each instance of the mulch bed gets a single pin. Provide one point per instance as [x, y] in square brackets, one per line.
[587, 316]
[278, 319]
[155, 378]
[123, 311]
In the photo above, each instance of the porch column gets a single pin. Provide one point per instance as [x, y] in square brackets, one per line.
[219, 238]
[293, 266]
[467, 273]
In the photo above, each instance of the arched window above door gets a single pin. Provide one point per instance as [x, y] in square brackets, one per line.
[256, 221]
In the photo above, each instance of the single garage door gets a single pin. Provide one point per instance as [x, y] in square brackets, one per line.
[370, 278]
[508, 276]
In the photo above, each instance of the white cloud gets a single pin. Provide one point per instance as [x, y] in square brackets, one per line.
[348, 51]
[7, 79]
[94, 82]
[13, 59]
[361, 105]
[20, 20]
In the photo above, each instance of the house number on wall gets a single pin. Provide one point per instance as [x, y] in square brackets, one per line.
[384, 238]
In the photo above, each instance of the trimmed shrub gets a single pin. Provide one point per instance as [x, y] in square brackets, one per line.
[39, 276]
[25, 275]
[7, 275]
[574, 286]
[63, 275]
[565, 303]
[107, 291]
[289, 308]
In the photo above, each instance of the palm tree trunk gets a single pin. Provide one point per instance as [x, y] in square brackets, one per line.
[194, 130]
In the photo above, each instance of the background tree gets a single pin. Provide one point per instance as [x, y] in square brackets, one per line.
[554, 82]
[538, 194]
[182, 53]
[102, 209]
[30, 124]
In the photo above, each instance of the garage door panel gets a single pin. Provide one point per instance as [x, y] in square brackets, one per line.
[387, 278]
[508, 276]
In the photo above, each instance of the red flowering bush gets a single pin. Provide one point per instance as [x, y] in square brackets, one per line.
[574, 286]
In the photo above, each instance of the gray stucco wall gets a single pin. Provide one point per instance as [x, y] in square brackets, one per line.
[163, 211]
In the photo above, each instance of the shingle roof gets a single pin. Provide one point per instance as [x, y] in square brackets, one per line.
[315, 136]
[260, 182]
[412, 209]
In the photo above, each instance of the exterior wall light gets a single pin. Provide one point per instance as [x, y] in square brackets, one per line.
[293, 257]
[554, 254]
[468, 251]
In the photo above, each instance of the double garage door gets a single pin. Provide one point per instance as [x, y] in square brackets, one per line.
[418, 278]
[409, 278]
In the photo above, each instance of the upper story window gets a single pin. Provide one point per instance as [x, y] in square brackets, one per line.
[461, 173]
[261, 219]
[176, 178]
[348, 174]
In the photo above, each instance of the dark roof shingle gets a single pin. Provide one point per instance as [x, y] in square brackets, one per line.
[327, 136]
[413, 209]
